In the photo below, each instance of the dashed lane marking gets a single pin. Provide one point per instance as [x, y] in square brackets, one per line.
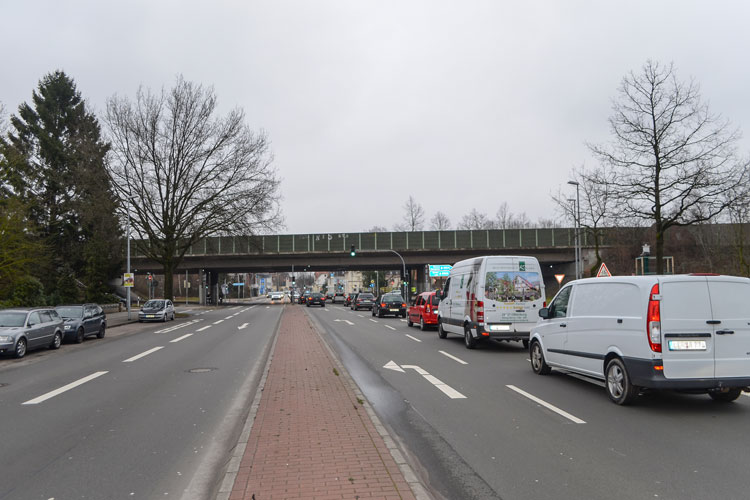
[374, 321]
[445, 388]
[547, 405]
[65, 388]
[219, 321]
[204, 328]
[177, 327]
[389, 326]
[181, 338]
[413, 338]
[453, 357]
[146, 353]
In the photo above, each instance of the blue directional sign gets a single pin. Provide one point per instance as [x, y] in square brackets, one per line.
[440, 271]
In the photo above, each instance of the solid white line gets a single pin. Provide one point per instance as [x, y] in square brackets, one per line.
[453, 357]
[139, 356]
[547, 405]
[388, 326]
[64, 388]
[413, 338]
[445, 388]
[181, 338]
[374, 321]
[217, 322]
[204, 328]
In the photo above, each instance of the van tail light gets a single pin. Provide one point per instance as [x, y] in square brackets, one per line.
[653, 321]
[544, 304]
[480, 312]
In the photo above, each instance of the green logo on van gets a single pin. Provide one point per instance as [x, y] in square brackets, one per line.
[521, 265]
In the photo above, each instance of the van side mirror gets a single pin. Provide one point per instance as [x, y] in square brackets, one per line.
[544, 313]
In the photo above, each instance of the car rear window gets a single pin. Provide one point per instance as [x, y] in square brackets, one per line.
[393, 298]
[70, 312]
[365, 296]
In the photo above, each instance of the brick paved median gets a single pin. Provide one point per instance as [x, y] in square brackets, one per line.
[312, 438]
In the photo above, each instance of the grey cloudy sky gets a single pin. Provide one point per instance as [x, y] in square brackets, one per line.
[463, 104]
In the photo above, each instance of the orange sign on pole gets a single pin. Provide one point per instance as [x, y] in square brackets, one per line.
[603, 272]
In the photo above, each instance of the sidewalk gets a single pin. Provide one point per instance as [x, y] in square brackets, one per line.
[313, 436]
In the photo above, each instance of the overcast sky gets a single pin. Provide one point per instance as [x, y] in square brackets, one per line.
[462, 104]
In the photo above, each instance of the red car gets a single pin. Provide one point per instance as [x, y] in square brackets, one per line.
[424, 311]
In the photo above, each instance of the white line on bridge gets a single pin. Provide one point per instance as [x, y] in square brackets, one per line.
[453, 357]
[547, 405]
[139, 356]
[413, 338]
[65, 388]
[181, 338]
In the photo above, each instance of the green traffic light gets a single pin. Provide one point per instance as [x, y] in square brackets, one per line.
[352, 251]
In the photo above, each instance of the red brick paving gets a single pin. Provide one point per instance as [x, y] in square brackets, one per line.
[311, 438]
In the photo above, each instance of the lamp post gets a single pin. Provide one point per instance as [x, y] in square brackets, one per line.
[579, 263]
[130, 198]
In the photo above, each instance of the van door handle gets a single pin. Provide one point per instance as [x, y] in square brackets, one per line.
[713, 322]
[724, 332]
[563, 325]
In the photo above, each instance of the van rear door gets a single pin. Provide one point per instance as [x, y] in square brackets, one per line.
[687, 331]
[730, 304]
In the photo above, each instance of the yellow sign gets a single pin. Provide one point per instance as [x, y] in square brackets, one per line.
[128, 280]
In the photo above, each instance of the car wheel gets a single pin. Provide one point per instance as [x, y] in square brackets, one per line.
[172, 316]
[726, 397]
[101, 333]
[422, 326]
[441, 331]
[164, 318]
[20, 350]
[619, 388]
[57, 341]
[469, 341]
[409, 322]
[403, 314]
[538, 364]
[525, 343]
[322, 305]
[79, 336]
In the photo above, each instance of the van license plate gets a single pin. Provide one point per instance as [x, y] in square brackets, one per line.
[500, 328]
[687, 345]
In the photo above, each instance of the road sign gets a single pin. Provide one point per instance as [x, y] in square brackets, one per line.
[559, 278]
[603, 272]
[238, 284]
[441, 271]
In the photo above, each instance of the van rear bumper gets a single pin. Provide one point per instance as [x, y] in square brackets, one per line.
[643, 374]
[486, 332]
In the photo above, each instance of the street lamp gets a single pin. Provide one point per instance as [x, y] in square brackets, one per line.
[129, 198]
[579, 263]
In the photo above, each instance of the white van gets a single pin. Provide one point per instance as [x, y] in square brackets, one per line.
[494, 297]
[687, 332]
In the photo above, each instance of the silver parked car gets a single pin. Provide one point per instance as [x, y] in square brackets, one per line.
[82, 321]
[156, 310]
[22, 329]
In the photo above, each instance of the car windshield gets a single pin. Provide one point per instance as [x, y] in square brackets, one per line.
[70, 311]
[12, 318]
[154, 304]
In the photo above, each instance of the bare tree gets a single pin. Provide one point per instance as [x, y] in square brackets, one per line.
[440, 222]
[596, 209]
[671, 158]
[377, 229]
[413, 216]
[190, 174]
[505, 219]
[476, 220]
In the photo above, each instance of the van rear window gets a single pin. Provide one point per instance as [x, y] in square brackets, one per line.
[513, 286]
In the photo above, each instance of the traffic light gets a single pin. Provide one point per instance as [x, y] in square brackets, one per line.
[352, 251]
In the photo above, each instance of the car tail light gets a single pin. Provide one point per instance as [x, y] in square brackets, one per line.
[403, 305]
[480, 312]
[653, 324]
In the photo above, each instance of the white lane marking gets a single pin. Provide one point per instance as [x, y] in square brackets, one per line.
[547, 405]
[403, 321]
[360, 315]
[268, 307]
[345, 321]
[389, 326]
[233, 308]
[391, 365]
[56, 392]
[453, 357]
[235, 314]
[445, 388]
[177, 327]
[228, 317]
[217, 322]
[181, 338]
[243, 326]
[204, 328]
[374, 321]
[413, 338]
[139, 356]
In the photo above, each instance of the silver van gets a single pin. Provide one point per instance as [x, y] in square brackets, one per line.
[23, 329]
[683, 332]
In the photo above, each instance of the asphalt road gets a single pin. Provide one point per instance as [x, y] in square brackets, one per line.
[157, 408]
[468, 419]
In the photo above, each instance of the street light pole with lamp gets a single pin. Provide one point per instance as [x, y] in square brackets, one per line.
[579, 259]
[129, 198]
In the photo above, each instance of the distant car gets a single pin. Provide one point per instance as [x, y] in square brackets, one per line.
[277, 296]
[424, 311]
[329, 296]
[82, 321]
[389, 303]
[316, 299]
[303, 298]
[22, 329]
[339, 296]
[156, 310]
[363, 300]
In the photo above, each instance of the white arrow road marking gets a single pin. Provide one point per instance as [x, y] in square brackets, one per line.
[242, 326]
[139, 356]
[204, 328]
[445, 388]
[413, 338]
[546, 405]
[181, 338]
[64, 388]
[453, 357]
[345, 321]
[388, 326]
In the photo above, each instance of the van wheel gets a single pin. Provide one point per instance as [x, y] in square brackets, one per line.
[726, 397]
[409, 322]
[470, 341]
[619, 388]
[441, 331]
[538, 364]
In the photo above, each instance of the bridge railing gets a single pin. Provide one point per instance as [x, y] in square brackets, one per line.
[399, 241]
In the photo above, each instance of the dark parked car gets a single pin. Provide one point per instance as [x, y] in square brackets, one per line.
[22, 329]
[82, 321]
[389, 303]
[156, 310]
[363, 300]
[316, 299]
